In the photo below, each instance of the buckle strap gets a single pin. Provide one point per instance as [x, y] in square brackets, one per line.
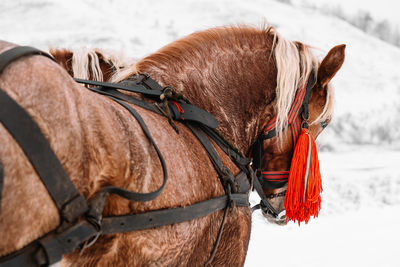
[157, 218]
[55, 245]
[50, 248]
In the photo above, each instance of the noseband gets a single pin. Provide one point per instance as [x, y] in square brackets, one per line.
[297, 117]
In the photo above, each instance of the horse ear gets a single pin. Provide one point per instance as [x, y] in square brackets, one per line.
[331, 64]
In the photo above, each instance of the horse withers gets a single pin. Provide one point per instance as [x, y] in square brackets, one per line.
[243, 76]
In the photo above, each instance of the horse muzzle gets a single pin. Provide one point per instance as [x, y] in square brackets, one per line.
[280, 219]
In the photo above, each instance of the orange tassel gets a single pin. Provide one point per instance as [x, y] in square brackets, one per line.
[304, 173]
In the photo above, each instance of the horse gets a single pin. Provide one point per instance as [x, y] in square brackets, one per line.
[244, 76]
[85, 63]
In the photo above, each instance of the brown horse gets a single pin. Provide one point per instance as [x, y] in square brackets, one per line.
[243, 76]
[93, 64]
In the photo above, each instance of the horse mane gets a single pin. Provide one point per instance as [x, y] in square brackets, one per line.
[85, 62]
[294, 61]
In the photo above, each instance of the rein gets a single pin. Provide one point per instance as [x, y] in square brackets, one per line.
[81, 221]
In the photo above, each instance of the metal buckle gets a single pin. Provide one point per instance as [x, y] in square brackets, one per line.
[96, 222]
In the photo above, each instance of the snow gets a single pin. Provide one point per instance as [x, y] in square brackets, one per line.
[379, 10]
[359, 151]
[358, 223]
[362, 238]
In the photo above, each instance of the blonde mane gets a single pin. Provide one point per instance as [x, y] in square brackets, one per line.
[85, 61]
[294, 63]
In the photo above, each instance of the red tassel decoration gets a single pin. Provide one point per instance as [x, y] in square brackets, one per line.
[304, 186]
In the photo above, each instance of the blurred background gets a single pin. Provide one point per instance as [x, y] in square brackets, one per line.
[359, 151]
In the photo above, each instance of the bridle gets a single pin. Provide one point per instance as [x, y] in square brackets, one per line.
[297, 118]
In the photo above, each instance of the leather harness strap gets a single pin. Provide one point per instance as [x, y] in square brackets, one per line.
[134, 88]
[72, 234]
[49, 249]
[134, 196]
[17, 52]
[70, 203]
[157, 218]
[224, 173]
[191, 112]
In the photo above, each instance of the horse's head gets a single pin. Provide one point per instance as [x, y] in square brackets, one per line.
[277, 151]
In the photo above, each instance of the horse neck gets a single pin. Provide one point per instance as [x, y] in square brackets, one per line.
[237, 88]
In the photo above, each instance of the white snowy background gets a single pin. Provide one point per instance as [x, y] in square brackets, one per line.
[359, 152]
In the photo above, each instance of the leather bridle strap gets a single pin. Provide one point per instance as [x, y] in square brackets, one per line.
[264, 205]
[70, 203]
[277, 179]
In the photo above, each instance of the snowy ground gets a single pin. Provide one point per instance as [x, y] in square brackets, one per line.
[359, 221]
[360, 151]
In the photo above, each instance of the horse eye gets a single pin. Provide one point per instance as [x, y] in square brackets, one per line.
[324, 124]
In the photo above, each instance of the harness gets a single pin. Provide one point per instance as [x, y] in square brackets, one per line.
[81, 221]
